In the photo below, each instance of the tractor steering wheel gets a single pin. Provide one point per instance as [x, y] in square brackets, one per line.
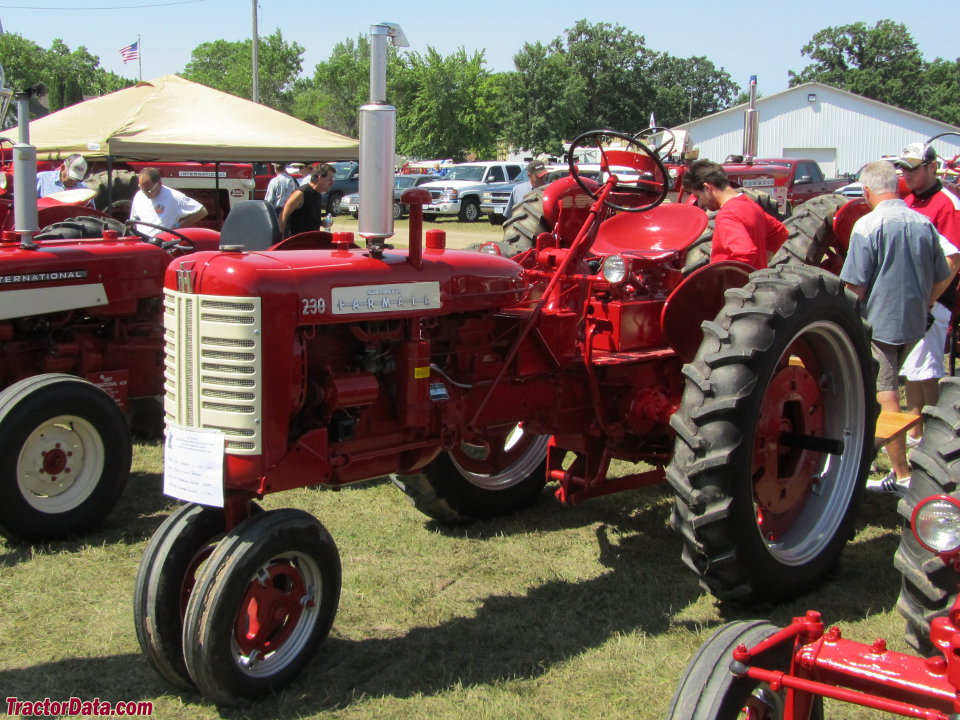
[669, 141]
[637, 159]
[154, 241]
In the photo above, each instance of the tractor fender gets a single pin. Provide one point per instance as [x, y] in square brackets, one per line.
[845, 219]
[699, 297]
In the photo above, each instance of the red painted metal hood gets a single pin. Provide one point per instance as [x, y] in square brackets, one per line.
[464, 281]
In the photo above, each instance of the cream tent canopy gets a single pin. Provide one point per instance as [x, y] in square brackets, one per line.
[170, 119]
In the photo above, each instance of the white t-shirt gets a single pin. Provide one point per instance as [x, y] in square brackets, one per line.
[165, 209]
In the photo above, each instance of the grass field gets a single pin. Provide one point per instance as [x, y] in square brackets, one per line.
[557, 612]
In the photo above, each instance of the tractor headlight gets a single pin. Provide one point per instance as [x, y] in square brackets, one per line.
[614, 269]
[490, 248]
[936, 524]
[3, 181]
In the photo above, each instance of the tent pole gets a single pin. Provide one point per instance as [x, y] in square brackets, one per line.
[216, 192]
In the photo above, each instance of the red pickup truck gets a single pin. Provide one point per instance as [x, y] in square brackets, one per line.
[788, 180]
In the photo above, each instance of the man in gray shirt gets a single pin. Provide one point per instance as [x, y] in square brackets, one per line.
[896, 266]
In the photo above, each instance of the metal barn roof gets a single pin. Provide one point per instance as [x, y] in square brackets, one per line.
[839, 129]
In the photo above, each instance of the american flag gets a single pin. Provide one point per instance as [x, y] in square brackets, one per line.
[130, 52]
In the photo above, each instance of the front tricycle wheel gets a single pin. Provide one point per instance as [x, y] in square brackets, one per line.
[263, 602]
[774, 436]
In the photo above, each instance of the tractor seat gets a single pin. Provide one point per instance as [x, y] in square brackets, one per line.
[252, 224]
[665, 229]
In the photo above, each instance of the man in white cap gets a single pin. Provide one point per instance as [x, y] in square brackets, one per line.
[66, 177]
[923, 367]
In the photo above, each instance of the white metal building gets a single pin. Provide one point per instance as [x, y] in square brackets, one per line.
[838, 129]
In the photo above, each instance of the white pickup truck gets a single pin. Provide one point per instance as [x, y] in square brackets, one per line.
[459, 192]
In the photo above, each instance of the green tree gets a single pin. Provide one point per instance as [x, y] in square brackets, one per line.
[687, 88]
[69, 76]
[940, 92]
[537, 98]
[447, 106]
[882, 62]
[227, 66]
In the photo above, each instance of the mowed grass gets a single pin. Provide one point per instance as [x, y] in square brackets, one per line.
[556, 612]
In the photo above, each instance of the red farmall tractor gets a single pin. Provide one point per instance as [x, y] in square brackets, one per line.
[755, 670]
[472, 380]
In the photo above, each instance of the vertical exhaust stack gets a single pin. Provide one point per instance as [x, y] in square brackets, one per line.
[378, 122]
[25, 174]
[751, 124]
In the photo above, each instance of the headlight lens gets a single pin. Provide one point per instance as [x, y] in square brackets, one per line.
[614, 269]
[490, 248]
[449, 195]
[936, 523]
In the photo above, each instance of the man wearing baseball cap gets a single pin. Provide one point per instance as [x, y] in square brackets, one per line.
[66, 177]
[536, 176]
[923, 367]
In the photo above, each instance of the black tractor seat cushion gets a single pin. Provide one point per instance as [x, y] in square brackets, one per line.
[251, 224]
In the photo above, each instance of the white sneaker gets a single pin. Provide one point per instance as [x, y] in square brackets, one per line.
[889, 484]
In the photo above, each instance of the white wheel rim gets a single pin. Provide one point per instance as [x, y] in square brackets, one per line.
[518, 471]
[845, 411]
[60, 464]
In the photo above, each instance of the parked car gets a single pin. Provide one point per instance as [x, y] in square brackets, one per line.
[346, 181]
[351, 203]
[459, 191]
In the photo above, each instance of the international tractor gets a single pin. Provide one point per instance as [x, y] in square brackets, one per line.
[472, 380]
[753, 669]
[81, 351]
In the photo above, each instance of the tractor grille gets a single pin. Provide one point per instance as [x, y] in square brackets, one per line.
[212, 366]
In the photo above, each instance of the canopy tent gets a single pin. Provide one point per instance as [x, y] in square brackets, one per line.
[173, 119]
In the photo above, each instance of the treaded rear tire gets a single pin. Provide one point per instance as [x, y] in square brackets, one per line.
[752, 527]
[84, 227]
[709, 691]
[811, 240]
[525, 223]
[929, 586]
[125, 186]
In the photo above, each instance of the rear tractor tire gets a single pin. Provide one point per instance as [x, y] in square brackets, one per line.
[929, 586]
[114, 201]
[774, 436]
[525, 223]
[811, 240]
[478, 482]
[84, 227]
[65, 454]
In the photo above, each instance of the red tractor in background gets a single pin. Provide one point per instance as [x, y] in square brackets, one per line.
[473, 380]
[81, 347]
[753, 669]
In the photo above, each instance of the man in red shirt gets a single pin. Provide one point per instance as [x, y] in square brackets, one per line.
[742, 230]
[923, 367]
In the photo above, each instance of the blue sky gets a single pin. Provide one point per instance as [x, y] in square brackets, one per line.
[743, 38]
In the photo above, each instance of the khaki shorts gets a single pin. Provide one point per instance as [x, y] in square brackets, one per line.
[890, 358]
